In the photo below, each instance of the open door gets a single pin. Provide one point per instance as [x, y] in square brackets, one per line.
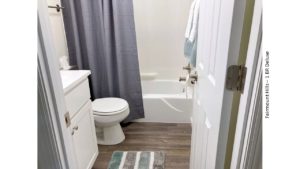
[49, 73]
[219, 37]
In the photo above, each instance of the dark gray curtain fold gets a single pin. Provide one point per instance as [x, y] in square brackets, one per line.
[101, 38]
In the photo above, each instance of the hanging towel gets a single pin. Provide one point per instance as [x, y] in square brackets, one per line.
[190, 45]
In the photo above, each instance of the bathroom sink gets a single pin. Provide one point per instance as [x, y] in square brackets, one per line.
[71, 78]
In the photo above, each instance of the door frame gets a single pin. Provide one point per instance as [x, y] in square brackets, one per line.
[248, 124]
[235, 39]
[49, 68]
[250, 153]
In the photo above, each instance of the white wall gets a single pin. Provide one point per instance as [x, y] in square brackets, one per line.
[58, 30]
[160, 27]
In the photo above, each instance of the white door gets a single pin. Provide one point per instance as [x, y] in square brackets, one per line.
[50, 68]
[219, 37]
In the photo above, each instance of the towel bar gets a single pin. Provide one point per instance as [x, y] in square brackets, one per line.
[58, 8]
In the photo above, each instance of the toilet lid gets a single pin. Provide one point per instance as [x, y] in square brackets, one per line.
[109, 106]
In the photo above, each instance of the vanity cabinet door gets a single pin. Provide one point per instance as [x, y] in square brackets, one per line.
[77, 97]
[84, 137]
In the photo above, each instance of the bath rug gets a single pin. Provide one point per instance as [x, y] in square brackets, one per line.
[137, 160]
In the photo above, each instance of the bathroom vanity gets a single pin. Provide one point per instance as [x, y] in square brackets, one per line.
[79, 118]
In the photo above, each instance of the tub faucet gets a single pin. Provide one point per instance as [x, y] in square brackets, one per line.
[181, 78]
[193, 77]
[188, 68]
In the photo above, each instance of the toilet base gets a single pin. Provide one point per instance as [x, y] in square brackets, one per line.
[111, 135]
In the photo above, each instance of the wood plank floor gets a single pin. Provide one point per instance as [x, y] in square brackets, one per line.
[174, 139]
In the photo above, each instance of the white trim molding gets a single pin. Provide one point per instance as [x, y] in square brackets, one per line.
[247, 142]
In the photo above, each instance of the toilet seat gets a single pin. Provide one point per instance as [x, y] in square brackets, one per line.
[109, 106]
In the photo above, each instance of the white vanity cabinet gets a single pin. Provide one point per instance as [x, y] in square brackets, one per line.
[84, 138]
[79, 107]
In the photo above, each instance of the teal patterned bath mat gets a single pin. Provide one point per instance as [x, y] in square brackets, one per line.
[137, 160]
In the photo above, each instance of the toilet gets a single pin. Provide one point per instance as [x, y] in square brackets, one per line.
[108, 113]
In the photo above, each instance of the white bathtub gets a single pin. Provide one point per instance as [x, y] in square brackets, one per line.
[166, 101]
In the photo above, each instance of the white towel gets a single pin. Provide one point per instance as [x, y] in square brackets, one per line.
[194, 24]
[190, 45]
[190, 20]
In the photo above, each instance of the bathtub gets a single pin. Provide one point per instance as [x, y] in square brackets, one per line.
[166, 101]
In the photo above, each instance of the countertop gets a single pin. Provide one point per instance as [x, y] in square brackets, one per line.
[71, 78]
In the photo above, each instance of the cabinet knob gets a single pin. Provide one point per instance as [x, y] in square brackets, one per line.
[75, 128]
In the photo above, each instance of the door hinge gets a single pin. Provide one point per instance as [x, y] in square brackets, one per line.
[67, 119]
[235, 78]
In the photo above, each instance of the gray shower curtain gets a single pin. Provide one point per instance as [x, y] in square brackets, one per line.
[101, 38]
